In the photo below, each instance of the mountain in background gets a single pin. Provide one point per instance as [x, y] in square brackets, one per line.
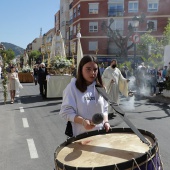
[17, 50]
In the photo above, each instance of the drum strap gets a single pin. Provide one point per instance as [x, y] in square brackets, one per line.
[121, 113]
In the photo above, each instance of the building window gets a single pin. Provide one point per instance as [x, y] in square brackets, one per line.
[75, 29]
[78, 9]
[71, 32]
[93, 8]
[78, 27]
[71, 17]
[118, 24]
[154, 22]
[93, 26]
[56, 19]
[74, 14]
[115, 9]
[67, 35]
[93, 45]
[152, 6]
[133, 6]
[62, 9]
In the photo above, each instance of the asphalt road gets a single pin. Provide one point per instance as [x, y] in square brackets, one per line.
[31, 129]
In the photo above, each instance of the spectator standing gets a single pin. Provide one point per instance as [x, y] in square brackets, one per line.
[42, 73]
[11, 77]
[164, 73]
[141, 76]
[101, 69]
[153, 80]
[35, 74]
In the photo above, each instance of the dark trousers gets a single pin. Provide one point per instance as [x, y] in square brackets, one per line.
[153, 88]
[35, 79]
[43, 88]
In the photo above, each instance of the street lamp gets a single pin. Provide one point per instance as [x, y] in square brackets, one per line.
[135, 24]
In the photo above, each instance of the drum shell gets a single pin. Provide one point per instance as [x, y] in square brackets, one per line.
[145, 161]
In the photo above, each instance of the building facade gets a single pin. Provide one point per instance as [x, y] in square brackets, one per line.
[89, 15]
[57, 21]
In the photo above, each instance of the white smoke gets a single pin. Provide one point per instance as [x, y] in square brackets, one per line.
[128, 104]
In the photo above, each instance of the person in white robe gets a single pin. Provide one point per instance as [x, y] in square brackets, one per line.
[114, 83]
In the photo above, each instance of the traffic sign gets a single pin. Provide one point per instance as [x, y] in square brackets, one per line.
[135, 38]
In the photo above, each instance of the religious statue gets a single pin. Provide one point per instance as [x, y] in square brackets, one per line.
[58, 47]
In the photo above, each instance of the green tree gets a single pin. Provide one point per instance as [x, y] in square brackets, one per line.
[10, 55]
[166, 38]
[34, 55]
[150, 49]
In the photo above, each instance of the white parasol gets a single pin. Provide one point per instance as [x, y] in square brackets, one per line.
[79, 49]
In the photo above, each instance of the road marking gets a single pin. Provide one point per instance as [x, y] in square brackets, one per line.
[21, 109]
[32, 149]
[19, 101]
[25, 122]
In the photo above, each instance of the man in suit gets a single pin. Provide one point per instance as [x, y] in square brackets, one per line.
[42, 72]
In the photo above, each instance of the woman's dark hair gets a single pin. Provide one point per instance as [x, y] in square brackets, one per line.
[11, 67]
[81, 82]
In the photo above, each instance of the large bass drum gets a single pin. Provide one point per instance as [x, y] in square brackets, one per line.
[118, 149]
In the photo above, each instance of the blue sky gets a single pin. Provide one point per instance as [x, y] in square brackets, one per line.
[21, 20]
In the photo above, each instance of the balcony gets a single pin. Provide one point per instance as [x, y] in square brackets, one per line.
[115, 13]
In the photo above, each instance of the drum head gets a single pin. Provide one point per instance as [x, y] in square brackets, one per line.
[103, 150]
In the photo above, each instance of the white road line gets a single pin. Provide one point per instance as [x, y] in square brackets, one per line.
[25, 123]
[32, 149]
[21, 109]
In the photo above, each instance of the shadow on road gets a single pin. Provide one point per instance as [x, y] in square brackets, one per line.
[36, 98]
[161, 106]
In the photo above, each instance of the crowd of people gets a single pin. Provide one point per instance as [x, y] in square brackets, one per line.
[152, 77]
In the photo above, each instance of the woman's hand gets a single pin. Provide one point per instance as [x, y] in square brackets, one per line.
[106, 126]
[87, 124]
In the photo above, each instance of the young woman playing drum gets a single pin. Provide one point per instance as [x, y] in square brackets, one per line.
[81, 99]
